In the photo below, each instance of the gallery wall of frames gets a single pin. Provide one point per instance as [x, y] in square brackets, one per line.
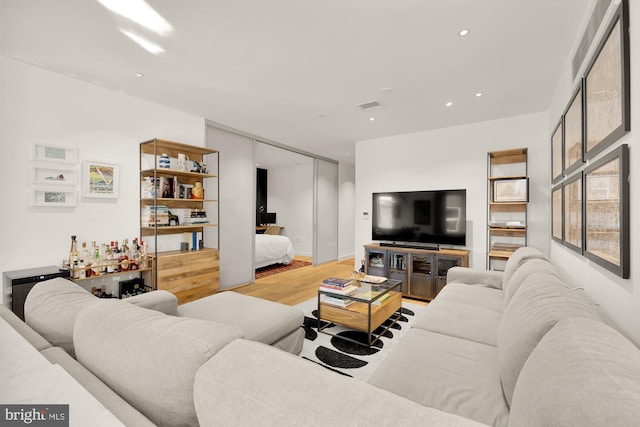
[589, 174]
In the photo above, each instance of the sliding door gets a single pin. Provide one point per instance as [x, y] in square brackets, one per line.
[237, 205]
[325, 211]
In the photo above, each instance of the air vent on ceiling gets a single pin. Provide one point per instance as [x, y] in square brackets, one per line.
[599, 12]
[371, 105]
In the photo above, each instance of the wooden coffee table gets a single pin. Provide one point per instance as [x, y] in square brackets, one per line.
[365, 313]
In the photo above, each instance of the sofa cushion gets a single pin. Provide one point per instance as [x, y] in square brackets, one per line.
[51, 309]
[540, 266]
[160, 300]
[23, 329]
[107, 397]
[447, 373]
[460, 320]
[517, 260]
[536, 307]
[252, 384]
[147, 357]
[477, 295]
[260, 320]
[582, 373]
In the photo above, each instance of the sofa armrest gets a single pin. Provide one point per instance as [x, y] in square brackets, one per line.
[250, 383]
[162, 301]
[471, 276]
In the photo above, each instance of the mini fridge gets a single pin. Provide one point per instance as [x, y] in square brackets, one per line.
[18, 283]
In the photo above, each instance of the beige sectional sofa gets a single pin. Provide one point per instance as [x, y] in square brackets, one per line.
[139, 356]
[518, 348]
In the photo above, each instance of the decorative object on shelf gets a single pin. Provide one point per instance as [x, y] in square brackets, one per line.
[148, 188]
[197, 192]
[54, 174]
[557, 150]
[573, 134]
[556, 214]
[164, 162]
[182, 162]
[510, 190]
[100, 180]
[607, 95]
[607, 238]
[572, 208]
[54, 153]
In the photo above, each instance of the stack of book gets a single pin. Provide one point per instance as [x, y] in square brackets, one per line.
[155, 215]
[337, 286]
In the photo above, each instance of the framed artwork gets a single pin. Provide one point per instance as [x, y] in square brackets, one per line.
[573, 134]
[54, 174]
[556, 214]
[606, 219]
[607, 97]
[53, 197]
[100, 180]
[54, 153]
[557, 151]
[510, 190]
[572, 213]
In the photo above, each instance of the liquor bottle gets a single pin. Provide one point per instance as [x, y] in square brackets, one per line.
[95, 259]
[103, 258]
[73, 251]
[123, 258]
[110, 254]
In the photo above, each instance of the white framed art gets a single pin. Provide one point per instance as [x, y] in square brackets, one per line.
[54, 174]
[53, 197]
[54, 153]
[100, 180]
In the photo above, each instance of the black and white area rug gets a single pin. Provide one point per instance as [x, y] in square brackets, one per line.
[347, 358]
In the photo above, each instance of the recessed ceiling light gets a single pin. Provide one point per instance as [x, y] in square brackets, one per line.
[478, 95]
[372, 118]
[449, 104]
[138, 75]
[463, 33]
[144, 43]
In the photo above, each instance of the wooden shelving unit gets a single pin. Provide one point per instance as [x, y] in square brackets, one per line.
[507, 171]
[194, 273]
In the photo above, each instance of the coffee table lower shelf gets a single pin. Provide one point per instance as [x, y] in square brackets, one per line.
[361, 317]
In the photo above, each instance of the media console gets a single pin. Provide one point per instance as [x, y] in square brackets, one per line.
[423, 272]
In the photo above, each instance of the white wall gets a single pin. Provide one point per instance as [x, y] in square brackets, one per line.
[41, 106]
[290, 195]
[620, 298]
[346, 211]
[455, 158]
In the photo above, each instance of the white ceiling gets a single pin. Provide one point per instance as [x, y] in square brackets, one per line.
[295, 71]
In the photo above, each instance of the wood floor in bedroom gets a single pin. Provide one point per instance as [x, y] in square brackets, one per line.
[296, 286]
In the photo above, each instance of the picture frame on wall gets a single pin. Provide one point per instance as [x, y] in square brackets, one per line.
[573, 133]
[557, 151]
[43, 152]
[606, 87]
[53, 197]
[556, 214]
[572, 223]
[47, 174]
[607, 240]
[100, 180]
[510, 190]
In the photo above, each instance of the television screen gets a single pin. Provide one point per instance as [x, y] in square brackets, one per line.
[265, 218]
[436, 217]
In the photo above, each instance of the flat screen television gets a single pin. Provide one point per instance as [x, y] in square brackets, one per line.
[265, 218]
[407, 218]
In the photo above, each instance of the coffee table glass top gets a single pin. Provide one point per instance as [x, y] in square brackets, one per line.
[368, 292]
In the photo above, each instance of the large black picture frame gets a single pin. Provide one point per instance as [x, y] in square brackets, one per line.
[557, 152]
[573, 213]
[606, 214]
[573, 132]
[557, 214]
[607, 99]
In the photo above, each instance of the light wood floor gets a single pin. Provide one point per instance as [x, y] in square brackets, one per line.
[295, 286]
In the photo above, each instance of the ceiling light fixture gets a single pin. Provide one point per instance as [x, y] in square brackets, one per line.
[372, 119]
[144, 43]
[139, 12]
[463, 33]
[478, 95]
[138, 75]
[449, 104]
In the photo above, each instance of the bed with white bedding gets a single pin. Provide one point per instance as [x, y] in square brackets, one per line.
[273, 249]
